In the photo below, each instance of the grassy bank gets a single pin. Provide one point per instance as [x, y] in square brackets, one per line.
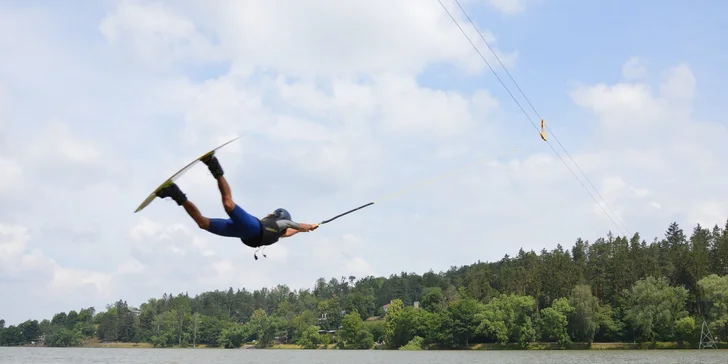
[556, 346]
[592, 346]
[116, 345]
[294, 346]
[95, 343]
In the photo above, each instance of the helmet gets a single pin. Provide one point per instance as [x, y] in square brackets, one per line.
[282, 214]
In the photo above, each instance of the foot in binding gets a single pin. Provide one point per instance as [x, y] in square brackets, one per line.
[172, 191]
[213, 164]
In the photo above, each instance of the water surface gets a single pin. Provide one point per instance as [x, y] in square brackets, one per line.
[218, 356]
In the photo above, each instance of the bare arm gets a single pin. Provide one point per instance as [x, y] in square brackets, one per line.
[289, 232]
[293, 228]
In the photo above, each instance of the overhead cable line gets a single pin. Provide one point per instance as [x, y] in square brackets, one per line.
[539, 115]
[534, 109]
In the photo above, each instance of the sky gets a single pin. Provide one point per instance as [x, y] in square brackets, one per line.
[336, 105]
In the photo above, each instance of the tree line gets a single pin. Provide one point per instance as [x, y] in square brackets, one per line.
[614, 289]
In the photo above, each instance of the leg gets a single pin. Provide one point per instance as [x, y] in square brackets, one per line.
[225, 227]
[222, 227]
[173, 191]
[213, 164]
[202, 221]
[227, 196]
[247, 224]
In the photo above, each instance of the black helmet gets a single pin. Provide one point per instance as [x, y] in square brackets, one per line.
[282, 214]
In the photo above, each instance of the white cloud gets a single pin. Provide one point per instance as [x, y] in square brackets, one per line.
[28, 275]
[57, 145]
[11, 175]
[131, 267]
[343, 254]
[326, 100]
[708, 213]
[509, 6]
[623, 106]
[278, 35]
[635, 69]
[637, 110]
[679, 83]
[155, 35]
[654, 140]
[110, 130]
[13, 243]
[4, 104]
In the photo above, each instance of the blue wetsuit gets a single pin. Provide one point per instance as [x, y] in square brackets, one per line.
[243, 225]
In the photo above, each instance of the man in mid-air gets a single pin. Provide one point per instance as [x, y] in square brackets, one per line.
[252, 231]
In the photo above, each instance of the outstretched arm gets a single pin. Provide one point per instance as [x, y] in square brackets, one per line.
[293, 228]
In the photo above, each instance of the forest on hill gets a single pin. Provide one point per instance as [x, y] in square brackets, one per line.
[614, 289]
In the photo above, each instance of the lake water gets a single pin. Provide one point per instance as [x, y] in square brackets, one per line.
[218, 356]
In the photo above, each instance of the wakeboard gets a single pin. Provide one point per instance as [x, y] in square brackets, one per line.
[177, 175]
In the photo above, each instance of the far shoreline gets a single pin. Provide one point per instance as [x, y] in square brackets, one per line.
[511, 346]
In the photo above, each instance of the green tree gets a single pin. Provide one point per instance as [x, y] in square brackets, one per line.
[463, 316]
[11, 336]
[362, 303]
[553, 322]
[377, 329]
[108, 325]
[211, 329]
[719, 250]
[438, 330]
[415, 344]
[59, 319]
[165, 325]
[413, 322]
[432, 299]
[29, 330]
[715, 302]
[63, 337]
[393, 320]
[301, 323]
[584, 320]
[598, 270]
[310, 338]
[354, 334]
[508, 318]
[685, 330]
[331, 310]
[350, 326]
[558, 274]
[364, 339]
[653, 307]
[233, 337]
[698, 262]
[609, 325]
[264, 328]
[516, 299]
[579, 255]
[127, 327]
